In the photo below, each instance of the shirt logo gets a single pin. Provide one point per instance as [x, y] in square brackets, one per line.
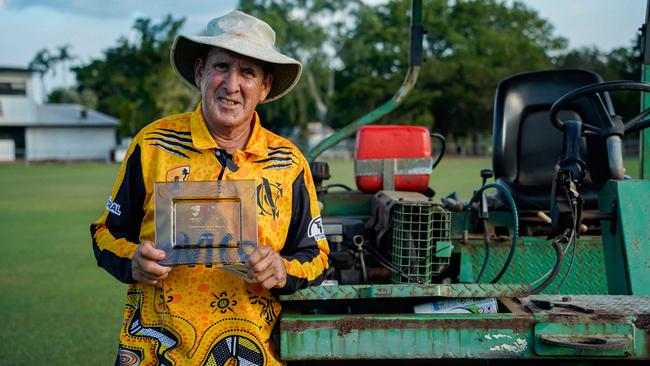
[268, 195]
[178, 174]
[316, 229]
[113, 207]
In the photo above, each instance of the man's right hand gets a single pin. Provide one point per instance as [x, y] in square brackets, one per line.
[144, 267]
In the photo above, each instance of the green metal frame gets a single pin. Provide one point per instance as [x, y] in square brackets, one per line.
[645, 70]
[331, 323]
[645, 134]
[626, 239]
[617, 329]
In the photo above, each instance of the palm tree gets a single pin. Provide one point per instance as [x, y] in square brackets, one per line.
[42, 63]
[63, 58]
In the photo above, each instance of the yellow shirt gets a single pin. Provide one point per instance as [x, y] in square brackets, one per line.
[201, 315]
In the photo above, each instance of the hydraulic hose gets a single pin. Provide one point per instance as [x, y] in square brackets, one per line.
[556, 268]
[443, 148]
[515, 235]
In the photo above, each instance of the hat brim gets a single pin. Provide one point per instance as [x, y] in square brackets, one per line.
[186, 49]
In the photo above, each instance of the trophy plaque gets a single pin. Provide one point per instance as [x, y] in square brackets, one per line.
[206, 222]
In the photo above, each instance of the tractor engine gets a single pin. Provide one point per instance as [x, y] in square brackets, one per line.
[390, 230]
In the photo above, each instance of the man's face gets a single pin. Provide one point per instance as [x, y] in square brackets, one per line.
[231, 87]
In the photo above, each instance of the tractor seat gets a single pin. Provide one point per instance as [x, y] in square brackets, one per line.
[526, 144]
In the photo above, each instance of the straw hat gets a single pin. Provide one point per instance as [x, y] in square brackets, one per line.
[243, 34]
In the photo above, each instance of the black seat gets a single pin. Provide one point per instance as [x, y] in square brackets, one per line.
[526, 145]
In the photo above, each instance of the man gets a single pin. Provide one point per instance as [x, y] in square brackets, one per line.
[190, 315]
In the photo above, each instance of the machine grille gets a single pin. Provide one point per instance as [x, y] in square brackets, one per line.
[421, 246]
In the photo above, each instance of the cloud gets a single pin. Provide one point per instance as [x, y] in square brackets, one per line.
[123, 8]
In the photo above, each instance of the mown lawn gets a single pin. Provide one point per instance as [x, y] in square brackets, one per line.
[57, 307]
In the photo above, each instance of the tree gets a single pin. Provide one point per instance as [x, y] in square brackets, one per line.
[86, 97]
[134, 81]
[42, 63]
[470, 47]
[618, 64]
[63, 58]
[305, 30]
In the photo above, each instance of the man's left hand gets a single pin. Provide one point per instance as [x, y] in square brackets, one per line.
[266, 267]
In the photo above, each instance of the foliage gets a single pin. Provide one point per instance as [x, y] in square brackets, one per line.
[134, 81]
[618, 64]
[470, 47]
[355, 57]
[305, 30]
[45, 62]
[86, 97]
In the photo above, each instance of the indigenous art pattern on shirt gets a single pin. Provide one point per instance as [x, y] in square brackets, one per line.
[200, 315]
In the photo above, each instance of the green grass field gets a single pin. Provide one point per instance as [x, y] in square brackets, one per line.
[58, 307]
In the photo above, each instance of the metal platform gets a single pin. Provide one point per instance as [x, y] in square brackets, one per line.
[356, 324]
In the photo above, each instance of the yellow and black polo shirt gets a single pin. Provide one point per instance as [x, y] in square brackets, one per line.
[201, 315]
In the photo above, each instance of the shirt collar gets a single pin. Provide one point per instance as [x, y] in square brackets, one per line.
[256, 144]
[202, 139]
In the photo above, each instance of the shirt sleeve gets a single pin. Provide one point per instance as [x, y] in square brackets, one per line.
[305, 251]
[115, 235]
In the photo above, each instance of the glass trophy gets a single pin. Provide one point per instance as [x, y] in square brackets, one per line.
[206, 222]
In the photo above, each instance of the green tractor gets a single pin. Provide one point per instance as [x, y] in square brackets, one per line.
[550, 261]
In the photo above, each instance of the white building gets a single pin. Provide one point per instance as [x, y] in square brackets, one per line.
[32, 131]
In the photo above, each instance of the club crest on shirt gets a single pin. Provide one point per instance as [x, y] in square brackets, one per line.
[268, 195]
[316, 229]
[178, 174]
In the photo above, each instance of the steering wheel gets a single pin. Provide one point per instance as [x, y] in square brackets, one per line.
[613, 123]
[613, 127]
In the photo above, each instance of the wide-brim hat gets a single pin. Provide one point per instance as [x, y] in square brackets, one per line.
[243, 34]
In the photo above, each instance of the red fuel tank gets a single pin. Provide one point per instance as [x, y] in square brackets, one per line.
[400, 152]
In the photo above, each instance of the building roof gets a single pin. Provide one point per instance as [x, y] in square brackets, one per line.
[72, 115]
[16, 69]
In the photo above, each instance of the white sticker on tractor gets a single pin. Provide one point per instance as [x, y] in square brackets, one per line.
[316, 229]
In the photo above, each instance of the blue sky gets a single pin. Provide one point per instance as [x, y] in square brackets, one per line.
[91, 26]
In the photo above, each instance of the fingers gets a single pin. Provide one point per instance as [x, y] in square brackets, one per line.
[258, 254]
[266, 267]
[148, 250]
[144, 267]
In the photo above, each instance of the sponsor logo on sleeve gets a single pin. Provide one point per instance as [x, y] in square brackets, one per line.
[113, 207]
[316, 229]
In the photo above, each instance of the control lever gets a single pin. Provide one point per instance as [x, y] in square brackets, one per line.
[483, 212]
[569, 174]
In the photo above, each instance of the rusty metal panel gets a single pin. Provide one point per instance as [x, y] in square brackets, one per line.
[590, 339]
[519, 331]
[341, 337]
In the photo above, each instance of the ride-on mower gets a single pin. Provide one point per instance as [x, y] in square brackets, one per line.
[549, 261]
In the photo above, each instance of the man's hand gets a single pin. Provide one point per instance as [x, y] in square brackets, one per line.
[266, 267]
[144, 267]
